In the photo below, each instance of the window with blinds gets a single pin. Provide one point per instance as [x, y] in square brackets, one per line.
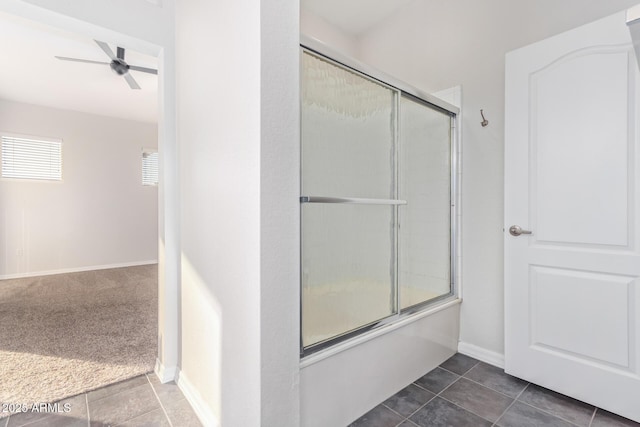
[149, 167]
[30, 158]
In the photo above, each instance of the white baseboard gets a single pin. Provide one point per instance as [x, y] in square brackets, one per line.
[198, 404]
[76, 269]
[482, 354]
[164, 373]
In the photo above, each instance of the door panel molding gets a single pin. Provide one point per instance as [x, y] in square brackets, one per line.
[578, 123]
[569, 309]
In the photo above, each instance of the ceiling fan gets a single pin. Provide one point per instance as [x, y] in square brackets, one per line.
[117, 64]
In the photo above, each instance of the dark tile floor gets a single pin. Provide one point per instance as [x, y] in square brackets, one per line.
[463, 392]
[140, 401]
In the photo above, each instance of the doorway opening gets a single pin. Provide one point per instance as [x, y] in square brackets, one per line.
[79, 273]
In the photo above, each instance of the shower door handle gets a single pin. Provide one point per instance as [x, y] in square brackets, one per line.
[351, 200]
[516, 230]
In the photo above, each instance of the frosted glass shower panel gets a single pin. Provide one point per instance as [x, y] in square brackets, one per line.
[347, 132]
[425, 222]
[375, 202]
[348, 271]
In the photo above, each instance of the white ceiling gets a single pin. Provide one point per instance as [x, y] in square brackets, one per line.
[353, 16]
[29, 73]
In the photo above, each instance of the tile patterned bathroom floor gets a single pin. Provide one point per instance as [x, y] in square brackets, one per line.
[463, 392]
[140, 401]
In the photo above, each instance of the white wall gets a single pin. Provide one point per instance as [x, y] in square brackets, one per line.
[99, 215]
[464, 42]
[315, 26]
[237, 69]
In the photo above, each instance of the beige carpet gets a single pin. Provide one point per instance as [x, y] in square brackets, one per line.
[65, 334]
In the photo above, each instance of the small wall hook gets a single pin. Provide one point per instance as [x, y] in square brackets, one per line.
[484, 121]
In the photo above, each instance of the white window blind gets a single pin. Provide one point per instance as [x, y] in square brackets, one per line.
[149, 167]
[26, 158]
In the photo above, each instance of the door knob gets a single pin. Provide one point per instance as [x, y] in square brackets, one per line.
[516, 230]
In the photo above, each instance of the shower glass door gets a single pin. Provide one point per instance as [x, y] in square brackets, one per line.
[376, 206]
[349, 206]
[425, 222]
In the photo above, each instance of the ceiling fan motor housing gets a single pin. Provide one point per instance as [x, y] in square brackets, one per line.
[119, 67]
[117, 64]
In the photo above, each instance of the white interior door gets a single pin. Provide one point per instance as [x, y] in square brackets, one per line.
[571, 170]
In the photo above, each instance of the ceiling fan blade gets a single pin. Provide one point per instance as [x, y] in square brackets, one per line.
[64, 58]
[106, 49]
[143, 69]
[132, 82]
[120, 53]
